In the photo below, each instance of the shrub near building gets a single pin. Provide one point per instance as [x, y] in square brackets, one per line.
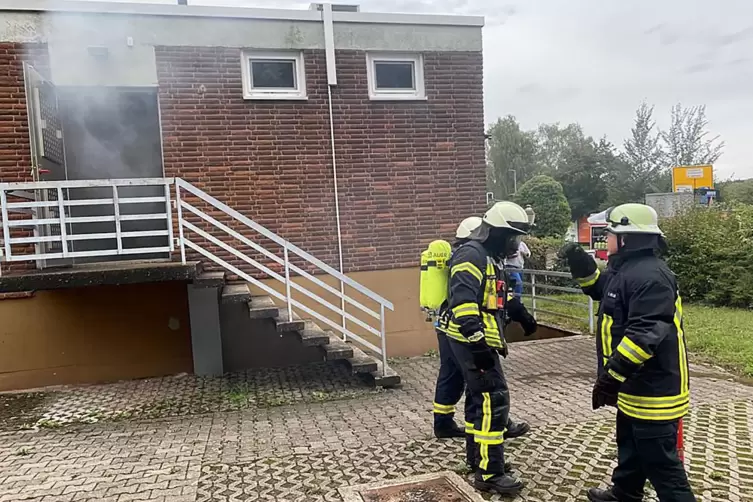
[710, 250]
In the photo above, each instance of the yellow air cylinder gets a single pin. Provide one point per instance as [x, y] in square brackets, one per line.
[435, 275]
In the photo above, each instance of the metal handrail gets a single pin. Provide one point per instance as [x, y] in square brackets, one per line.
[42, 215]
[535, 285]
[184, 227]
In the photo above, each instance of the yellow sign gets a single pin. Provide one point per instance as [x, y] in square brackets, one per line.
[690, 178]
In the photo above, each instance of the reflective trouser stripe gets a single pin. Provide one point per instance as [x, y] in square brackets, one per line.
[444, 409]
[469, 428]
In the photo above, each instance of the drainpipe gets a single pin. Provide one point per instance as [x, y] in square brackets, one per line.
[329, 43]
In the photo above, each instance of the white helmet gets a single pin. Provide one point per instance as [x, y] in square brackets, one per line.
[633, 219]
[467, 226]
[515, 215]
[496, 217]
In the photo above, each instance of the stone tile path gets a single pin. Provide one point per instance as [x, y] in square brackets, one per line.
[300, 434]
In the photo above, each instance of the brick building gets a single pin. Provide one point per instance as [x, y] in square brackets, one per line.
[261, 109]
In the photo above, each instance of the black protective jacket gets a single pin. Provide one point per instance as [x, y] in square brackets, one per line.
[479, 297]
[640, 339]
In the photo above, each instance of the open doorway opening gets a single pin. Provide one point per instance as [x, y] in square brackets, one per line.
[112, 133]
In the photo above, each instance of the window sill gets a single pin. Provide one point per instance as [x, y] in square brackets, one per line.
[397, 98]
[273, 97]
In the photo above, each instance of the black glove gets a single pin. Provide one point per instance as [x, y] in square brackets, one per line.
[519, 313]
[580, 263]
[483, 357]
[504, 351]
[605, 391]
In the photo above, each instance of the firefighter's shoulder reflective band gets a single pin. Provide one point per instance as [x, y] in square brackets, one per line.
[465, 309]
[467, 267]
[632, 351]
[590, 280]
[616, 375]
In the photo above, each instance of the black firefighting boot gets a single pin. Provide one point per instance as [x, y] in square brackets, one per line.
[599, 495]
[515, 430]
[504, 484]
[448, 429]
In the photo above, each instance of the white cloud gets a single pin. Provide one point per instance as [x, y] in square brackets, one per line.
[592, 61]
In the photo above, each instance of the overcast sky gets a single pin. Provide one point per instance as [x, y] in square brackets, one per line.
[593, 61]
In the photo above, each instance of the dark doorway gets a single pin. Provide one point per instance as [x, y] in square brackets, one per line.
[113, 133]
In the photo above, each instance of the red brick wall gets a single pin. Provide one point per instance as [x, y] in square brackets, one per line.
[15, 150]
[408, 172]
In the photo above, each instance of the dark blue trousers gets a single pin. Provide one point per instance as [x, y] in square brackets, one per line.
[450, 385]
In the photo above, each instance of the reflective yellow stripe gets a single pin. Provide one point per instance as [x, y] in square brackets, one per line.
[465, 309]
[683, 354]
[653, 401]
[632, 351]
[476, 337]
[666, 413]
[484, 451]
[606, 336]
[467, 267]
[469, 428]
[590, 280]
[486, 410]
[616, 375]
[444, 409]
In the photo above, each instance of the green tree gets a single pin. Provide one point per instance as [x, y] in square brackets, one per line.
[736, 191]
[582, 173]
[546, 197]
[512, 155]
[688, 141]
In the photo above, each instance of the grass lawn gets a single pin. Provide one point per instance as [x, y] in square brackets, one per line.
[717, 335]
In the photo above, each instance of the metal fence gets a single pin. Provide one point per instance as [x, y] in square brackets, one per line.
[538, 287]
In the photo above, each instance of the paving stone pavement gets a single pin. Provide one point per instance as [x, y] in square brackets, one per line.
[298, 445]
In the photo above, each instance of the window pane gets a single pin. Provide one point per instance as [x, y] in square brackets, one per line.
[270, 74]
[394, 74]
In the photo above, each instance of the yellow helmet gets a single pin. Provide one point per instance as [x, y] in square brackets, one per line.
[633, 219]
[467, 226]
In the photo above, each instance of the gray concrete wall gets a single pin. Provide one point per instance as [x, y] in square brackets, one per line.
[130, 38]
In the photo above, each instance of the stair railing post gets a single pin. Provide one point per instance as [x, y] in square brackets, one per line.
[384, 340]
[533, 293]
[179, 207]
[287, 282]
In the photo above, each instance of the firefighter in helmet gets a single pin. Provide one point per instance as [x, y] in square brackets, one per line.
[473, 323]
[642, 359]
[450, 382]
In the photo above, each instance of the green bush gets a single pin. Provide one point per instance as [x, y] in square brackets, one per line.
[546, 197]
[543, 252]
[710, 250]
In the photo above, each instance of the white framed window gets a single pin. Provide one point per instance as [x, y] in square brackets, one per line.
[273, 75]
[395, 76]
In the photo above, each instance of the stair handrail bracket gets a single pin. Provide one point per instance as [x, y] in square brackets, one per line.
[187, 231]
[42, 214]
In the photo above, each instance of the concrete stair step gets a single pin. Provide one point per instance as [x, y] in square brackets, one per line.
[286, 325]
[262, 307]
[389, 379]
[209, 279]
[336, 349]
[313, 336]
[361, 362]
[236, 293]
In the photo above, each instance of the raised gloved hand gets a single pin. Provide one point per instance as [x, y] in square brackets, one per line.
[605, 391]
[581, 264]
[504, 351]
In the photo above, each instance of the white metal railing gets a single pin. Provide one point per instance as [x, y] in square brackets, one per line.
[187, 229]
[50, 221]
[537, 285]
